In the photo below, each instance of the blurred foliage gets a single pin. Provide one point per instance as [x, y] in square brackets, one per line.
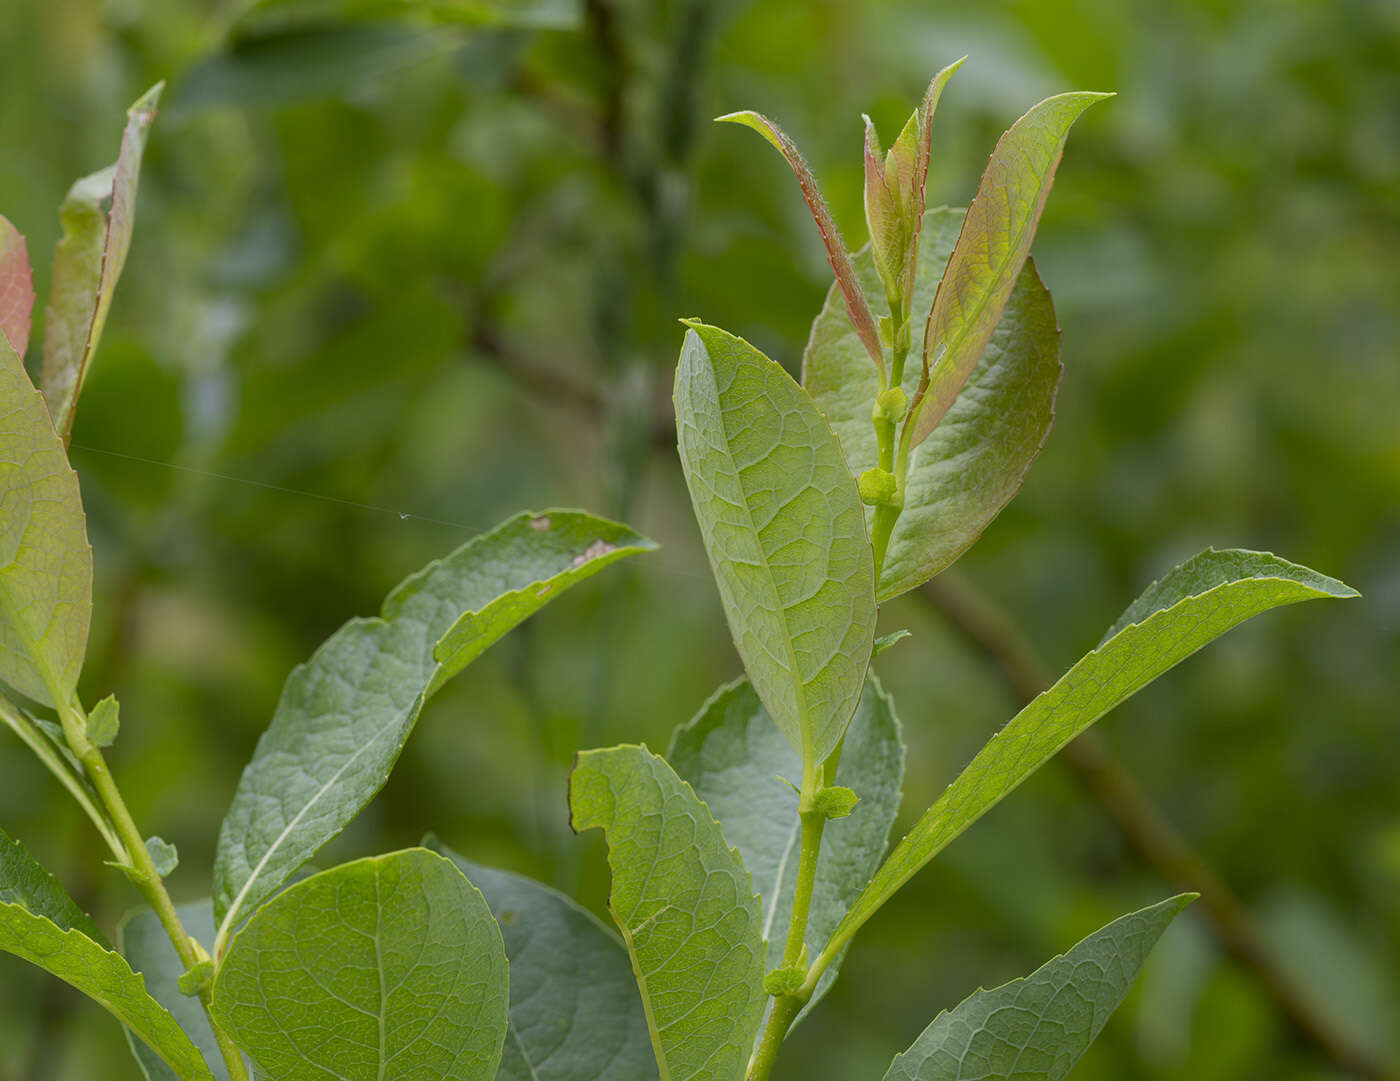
[400, 270]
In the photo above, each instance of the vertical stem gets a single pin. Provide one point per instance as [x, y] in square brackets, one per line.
[145, 877]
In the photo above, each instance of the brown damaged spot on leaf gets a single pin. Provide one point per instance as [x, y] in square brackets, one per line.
[598, 548]
[541, 523]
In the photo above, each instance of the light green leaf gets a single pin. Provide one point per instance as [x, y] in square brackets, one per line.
[733, 757]
[1194, 604]
[145, 944]
[104, 977]
[975, 461]
[996, 238]
[45, 561]
[1038, 1027]
[345, 715]
[686, 907]
[163, 855]
[785, 531]
[104, 722]
[16, 287]
[24, 882]
[87, 263]
[389, 968]
[575, 1014]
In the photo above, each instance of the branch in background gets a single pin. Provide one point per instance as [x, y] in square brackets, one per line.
[989, 628]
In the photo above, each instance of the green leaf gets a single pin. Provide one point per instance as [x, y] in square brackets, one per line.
[785, 531]
[104, 722]
[45, 561]
[345, 715]
[1194, 604]
[163, 855]
[104, 977]
[686, 907]
[389, 968]
[145, 944]
[975, 461]
[1038, 1027]
[87, 263]
[996, 238]
[16, 287]
[575, 1014]
[24, 882]
[733, 757]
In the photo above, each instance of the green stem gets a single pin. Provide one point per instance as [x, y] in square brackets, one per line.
[45, 751]
[143, 873]
[780, 1018]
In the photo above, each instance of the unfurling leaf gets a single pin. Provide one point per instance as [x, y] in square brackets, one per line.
[389, 968]
[895, 192]
[996, 238]
[975, 461]
[857, 307]
[575, 1013]
[16, 287]
[164, 856]
[1194, 604]
[87, 263]
[1038, 1027]
[785, 531]
[104, 722]
[45, 561]
[345, 715]
[686, 908]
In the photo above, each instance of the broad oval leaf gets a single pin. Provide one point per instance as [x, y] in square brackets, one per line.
[87, 263]
[147, 947]
[575, 1014]
[1188, 608]
[45, 561]
[987, 259]
[390, 967]
[104, 977]
[686, 908]
[785, 531]
[974, 462]
[735, 759]
[1036, 1028]
[345, 715]
[16, 287]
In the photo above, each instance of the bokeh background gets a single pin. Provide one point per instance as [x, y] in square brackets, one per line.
[393, 281]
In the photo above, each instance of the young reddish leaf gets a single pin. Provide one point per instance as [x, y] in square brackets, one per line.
[87, 262]
[856, 306]
[921, 161]
[995, 240]
[16, 287]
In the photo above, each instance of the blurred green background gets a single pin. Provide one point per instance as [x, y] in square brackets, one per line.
[393, 281]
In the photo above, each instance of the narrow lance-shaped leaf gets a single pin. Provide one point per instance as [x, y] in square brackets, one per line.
[735, 759]
[996, 238]
[686, 908]
[389, 968]
[87, 263]
[1194, 604]
[45, 561]
[974, 462]
[785, 531]
[147, 947]
[40, 923]
[16, 287]
[1038, 1027]
[575, 1014]
[345, 715]
[857, 307]
[921, 163]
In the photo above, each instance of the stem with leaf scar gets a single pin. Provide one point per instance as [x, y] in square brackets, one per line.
[141, 869]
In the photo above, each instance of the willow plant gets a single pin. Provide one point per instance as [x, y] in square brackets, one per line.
[746, 860]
